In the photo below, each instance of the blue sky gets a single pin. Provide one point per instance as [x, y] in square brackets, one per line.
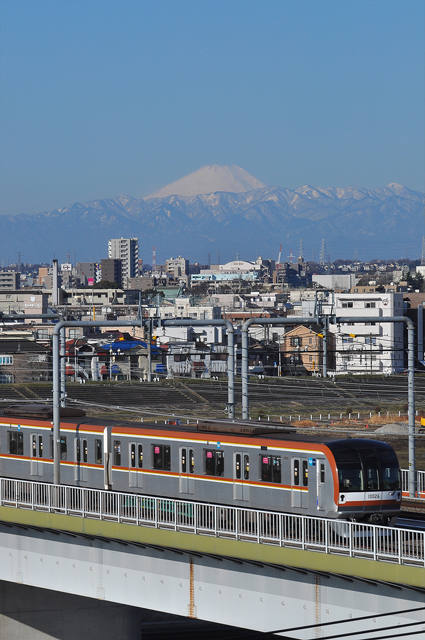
[102, 97]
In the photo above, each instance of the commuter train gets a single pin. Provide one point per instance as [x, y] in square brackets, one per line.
[263, 466]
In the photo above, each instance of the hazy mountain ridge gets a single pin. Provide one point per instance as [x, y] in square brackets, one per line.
[377, 221]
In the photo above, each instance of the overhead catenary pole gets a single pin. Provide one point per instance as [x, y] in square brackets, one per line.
[230, 352]
[149, 347]
[124, 323]
[410, 381]
[245, 351]
[62, 339]
[60, 326]
[325, 347]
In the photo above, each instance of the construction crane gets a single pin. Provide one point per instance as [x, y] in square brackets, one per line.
[278, 257]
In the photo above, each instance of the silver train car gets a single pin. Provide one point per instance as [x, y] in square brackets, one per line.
[266, 466]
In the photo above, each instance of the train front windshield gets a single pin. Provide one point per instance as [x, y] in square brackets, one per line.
[390, 469]
[366, 466]
[349, 470]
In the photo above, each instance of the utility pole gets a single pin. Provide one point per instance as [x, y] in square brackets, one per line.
[370, 339]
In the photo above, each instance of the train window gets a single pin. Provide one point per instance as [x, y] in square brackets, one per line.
[271, 468]
[84, 450]
[117, 453]
[140, 456]
[78, 450]
[296, 473]
[98, 451]
[214, 462]
[161, 457]
[133, 456]
[322, 473]
[33, 446]
[183, 460]
[16, 443]
[191, 461]
[277, 469]
[238, 469]
[40, 446]
[246, 467]
[305, 473]
[63, 448]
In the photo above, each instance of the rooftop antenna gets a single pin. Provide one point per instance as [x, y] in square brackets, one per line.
[291, 257]
[301, 251]
[423, 251]
[154, 259]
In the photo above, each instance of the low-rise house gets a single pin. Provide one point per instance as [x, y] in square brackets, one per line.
[303, 350]
[24, 361]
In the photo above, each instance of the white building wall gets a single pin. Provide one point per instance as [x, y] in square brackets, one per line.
[373, 347]
[205, 334]
[336, 281]
[126, 250]
[183, 309]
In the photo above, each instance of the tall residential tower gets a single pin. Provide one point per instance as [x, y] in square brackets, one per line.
[126, 250]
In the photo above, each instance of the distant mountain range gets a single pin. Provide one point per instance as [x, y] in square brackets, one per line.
[379, 223]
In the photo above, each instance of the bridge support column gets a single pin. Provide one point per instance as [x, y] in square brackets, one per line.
[30, 613]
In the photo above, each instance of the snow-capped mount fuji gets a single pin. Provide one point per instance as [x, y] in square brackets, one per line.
[211, 179]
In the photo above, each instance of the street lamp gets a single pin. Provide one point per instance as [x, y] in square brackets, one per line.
[110, 363]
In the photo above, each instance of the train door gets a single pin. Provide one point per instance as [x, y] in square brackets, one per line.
[304, 483]
[80, 459]
[135, 463]
[187, 469]
[320, 485]
[132, 472]
[240, 475]
[295, 483]
[36, 455]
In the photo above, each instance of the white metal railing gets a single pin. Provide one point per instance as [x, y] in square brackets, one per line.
[374, 542]
[420, 483]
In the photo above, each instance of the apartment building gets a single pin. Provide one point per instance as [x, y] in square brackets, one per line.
[371, 346]
[10, 280]
[177, 266]
[126, 250]
[111, 270]
[184, 308]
